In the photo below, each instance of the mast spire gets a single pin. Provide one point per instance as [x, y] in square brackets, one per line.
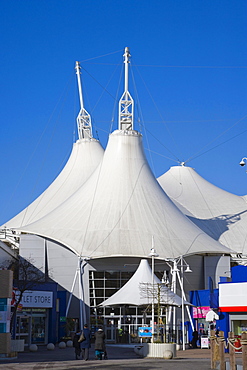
[83, 119]
[126, 103]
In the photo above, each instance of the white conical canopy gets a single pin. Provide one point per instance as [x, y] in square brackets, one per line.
[219, 213]
[120, 207]
[139, 290]
[85, 156]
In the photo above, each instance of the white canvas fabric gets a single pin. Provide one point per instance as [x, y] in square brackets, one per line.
[139, 290]
[84, 158]
[118, 210]
[220, 214]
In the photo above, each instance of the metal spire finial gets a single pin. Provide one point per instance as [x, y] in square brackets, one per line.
[83, 119]
[126, 103]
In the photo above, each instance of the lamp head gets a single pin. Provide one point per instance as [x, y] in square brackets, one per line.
[188, 269]
[153, 253]
[242, 163]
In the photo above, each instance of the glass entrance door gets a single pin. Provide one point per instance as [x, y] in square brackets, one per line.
[23, 329]
[39, 329]
[111, 327]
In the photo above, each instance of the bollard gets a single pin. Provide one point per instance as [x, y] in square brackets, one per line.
[244, 349]
[221, 341]
[212, 346]
[232, 358]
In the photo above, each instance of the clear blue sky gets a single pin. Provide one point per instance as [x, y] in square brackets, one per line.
[189, 64]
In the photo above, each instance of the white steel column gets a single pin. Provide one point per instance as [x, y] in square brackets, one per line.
[153, 254]
[82, 304]
[77, 274]
[174, 289]
[152, 298]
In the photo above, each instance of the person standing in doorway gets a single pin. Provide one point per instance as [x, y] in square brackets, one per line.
[86, 344]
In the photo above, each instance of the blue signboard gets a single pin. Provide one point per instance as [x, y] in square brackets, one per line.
[145, 332]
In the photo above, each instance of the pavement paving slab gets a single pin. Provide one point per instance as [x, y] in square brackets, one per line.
[120, 357]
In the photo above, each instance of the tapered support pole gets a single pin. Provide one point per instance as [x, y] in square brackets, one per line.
[153, 254]
[83, 119]
[153, 299]
[174, 289]
[126, 103]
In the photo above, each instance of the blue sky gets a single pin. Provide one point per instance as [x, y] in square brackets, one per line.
[188, 78]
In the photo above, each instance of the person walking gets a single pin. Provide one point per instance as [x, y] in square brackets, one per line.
[99, 346]
[77, 344]
[86, 344]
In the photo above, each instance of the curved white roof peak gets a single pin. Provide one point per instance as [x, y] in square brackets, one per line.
[84, 158]
[221, 214]
[120, 208]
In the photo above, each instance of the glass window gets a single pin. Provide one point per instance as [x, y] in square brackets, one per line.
[112, 275]
[103, 284]
[97, 293]
[38, 329]
[126, 275]
[239, 326]
[97, 284]
[112, 284]
[96, 274]
[23, 329]
[110, 292]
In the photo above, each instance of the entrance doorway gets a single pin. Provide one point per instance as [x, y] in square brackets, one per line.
[111, 325]
[39, 329]
[23, 329]
[32, 327]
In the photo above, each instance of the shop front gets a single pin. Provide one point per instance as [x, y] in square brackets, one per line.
[233, 301]
[32, 319]
[199, 315]
[205, 314]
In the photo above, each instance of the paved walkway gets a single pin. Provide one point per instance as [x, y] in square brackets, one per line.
[120, 357]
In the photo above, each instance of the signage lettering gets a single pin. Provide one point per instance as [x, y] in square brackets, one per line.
[38, 299]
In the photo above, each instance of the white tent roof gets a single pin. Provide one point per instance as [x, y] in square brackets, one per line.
[85, 157]
[220, 214]
[139, 290]
[118, 210]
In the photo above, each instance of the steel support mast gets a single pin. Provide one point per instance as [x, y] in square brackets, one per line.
[84, 125]
[126, 103]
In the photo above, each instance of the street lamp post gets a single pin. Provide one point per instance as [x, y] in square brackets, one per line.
[180, 263]
[153, 254]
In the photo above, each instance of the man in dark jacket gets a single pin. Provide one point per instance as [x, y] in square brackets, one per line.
[86, 344]
[77, 345]
[99, 343]
[194, 339]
